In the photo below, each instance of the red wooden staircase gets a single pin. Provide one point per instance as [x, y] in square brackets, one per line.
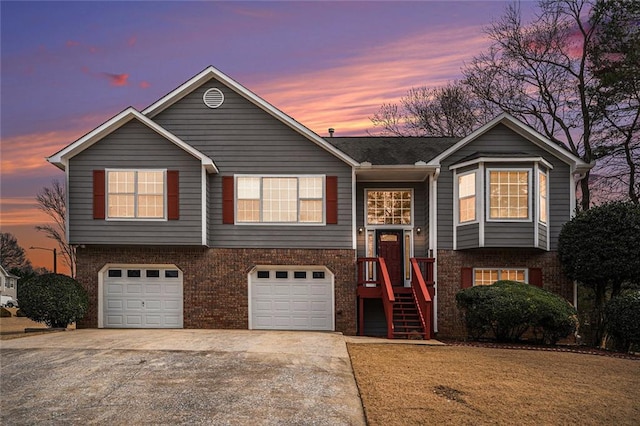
[407, 323]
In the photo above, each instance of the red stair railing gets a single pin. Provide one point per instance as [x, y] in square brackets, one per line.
[422, 286]
[372, 272]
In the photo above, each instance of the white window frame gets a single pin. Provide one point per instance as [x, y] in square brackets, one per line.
[530, 191]
[297, 222]
[388, 226]
[456, 189]
[499, 273]
[135, 196]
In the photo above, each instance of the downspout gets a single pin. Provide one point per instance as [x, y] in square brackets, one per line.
[433, 239]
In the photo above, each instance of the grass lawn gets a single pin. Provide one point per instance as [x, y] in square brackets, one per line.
[403, 384]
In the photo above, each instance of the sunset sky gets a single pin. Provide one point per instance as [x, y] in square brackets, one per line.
[69, 66]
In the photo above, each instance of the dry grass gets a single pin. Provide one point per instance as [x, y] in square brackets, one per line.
[13, 327]
[411, 385]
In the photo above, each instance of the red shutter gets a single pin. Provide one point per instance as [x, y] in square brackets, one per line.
[535, 277]
[173, 195]
[227, 200]
[332, 199]
[467, 277]
[98, 194]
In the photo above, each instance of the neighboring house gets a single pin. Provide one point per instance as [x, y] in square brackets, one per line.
[8, 283]
[213, 209]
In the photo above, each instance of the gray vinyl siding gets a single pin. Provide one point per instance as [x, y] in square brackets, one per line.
[542, 236]
[467, 236]
[508, 234]
[420, 213]
[500, 140]
[243, 139]
[134, 146]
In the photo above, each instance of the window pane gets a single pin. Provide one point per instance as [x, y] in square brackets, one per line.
[512, 274]
[467, 185]
[543, 198]
[509, 194]
[121, 182]
[485, 276]
[248, 210]
[280, 200]
[389, 207]
[150, 182]
[311, 211]
[121, 205]
[249, 188]
[151, 206]
[310, 187]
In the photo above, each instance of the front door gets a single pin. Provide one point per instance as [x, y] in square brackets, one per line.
[390, 248]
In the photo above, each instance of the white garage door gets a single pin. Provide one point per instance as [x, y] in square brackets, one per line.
[142, 297]
[284, 298]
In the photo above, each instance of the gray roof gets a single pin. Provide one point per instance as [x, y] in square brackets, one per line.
[392, 150]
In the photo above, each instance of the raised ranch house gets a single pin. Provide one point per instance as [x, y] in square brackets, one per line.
[213, 209]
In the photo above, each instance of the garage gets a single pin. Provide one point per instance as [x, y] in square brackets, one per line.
[291, 298]
[141, 297]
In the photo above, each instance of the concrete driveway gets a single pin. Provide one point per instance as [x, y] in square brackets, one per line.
[219, 377]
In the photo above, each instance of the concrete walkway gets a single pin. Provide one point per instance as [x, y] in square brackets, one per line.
[178, 377]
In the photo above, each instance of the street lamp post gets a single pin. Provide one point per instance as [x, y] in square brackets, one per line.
[55, 254]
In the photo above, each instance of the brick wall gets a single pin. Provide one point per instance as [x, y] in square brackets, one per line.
[451, 262]
[215, 280]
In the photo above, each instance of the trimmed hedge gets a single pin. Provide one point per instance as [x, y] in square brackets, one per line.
[54, 299]
[508, 309]
[622, 316]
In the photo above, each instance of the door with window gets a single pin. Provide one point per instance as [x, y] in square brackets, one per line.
[390, 248]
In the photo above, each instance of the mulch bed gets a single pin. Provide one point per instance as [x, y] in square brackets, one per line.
[577, 349]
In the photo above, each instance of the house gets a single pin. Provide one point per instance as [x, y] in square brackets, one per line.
[8, 284]
[211, 208]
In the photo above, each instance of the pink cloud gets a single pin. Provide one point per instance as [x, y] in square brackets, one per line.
[71, 43]
[145, 84]
[132, 41]
[117, 79]
[93, 49]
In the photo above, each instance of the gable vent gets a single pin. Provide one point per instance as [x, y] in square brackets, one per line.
[213, 98]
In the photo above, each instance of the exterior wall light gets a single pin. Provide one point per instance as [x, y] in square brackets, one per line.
[418, 230]
[360, 230]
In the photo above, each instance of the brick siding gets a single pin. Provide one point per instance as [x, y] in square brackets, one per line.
[451, 262]
[215, 280]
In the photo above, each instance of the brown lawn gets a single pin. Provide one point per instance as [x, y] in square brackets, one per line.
[13, 327]
[404, 384]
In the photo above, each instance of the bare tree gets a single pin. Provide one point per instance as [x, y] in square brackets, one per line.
[12, 256]
[451, 110]
[614, 58]
[539, 73]
[52, 201]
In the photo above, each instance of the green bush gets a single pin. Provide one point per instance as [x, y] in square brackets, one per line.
[622, 316]
[508, 309]
[54, 299]
[5, 313]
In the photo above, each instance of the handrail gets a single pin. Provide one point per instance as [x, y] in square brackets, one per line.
[372, 271]
[423, 295]
[388, 299]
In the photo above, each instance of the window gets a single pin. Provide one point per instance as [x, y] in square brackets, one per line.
[508, 194]
[282, 274]
[115, 273]
[136, 194]
[489, 276]
[280, 199]
[542, 196]
[133, 273]
[172, 273]
[153, 273]
[388, 207]
[467, 197]
[263, 274]
[300, 275]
